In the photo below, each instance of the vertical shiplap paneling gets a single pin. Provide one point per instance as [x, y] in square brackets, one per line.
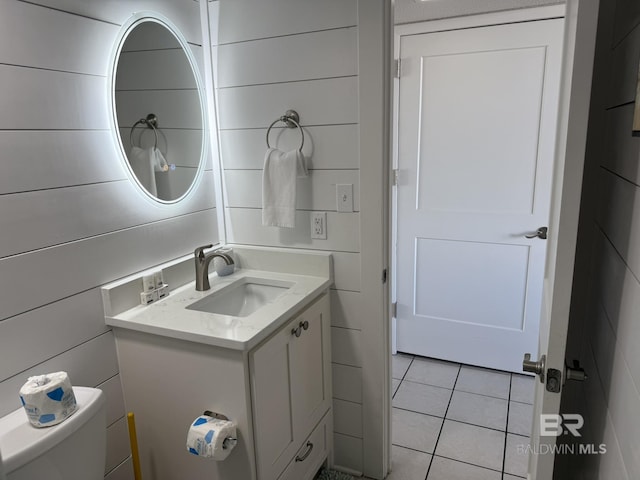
[71, 220]
[272, 56]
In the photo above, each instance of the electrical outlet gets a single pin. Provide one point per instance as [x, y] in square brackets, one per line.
[319, 225]
[344, 197]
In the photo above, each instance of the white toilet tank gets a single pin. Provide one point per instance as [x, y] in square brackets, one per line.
[72, 450]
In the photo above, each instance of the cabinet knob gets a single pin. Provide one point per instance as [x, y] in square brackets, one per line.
[297, 331]
[303, 457]
[305, 325]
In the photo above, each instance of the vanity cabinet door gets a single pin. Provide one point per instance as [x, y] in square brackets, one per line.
[309, 366]
[290, 387]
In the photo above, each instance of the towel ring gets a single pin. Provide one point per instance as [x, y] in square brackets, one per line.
[151, 122]
[291, 119]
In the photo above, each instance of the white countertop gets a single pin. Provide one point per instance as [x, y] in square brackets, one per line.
[169, 317]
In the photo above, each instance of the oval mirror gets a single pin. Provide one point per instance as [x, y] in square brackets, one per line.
[158, 108]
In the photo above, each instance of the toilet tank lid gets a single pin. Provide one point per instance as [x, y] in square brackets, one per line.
[20, 442]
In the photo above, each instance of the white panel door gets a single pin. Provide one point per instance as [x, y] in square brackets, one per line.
[476, 135]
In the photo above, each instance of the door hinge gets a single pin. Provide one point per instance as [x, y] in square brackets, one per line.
[394, 309]
[398, 67]
[394, 177]
[384, 276]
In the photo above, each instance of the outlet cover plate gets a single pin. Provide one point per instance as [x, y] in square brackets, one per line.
[319, 225]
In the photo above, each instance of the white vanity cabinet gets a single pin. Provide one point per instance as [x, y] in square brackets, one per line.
[291, 394]
[278, 392]
[269, 371]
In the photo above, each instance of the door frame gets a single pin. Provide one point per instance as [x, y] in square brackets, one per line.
[573, 118]
[434, 26]
[578, 56]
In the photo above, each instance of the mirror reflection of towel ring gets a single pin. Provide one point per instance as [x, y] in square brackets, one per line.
[151, 122]
[291, 119]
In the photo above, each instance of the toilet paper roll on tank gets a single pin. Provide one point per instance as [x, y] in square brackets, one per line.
[48, 399]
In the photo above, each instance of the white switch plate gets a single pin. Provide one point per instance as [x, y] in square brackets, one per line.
[319, 225]
[344, 197]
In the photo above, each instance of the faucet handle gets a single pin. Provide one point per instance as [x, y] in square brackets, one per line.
[199, 252]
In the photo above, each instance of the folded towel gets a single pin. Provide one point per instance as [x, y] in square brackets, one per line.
[145, 162]
[279, 186]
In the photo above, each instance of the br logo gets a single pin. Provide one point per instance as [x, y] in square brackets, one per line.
[552, 425]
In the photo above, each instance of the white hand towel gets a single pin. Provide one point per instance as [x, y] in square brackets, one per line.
[279, 186]
[145, 162]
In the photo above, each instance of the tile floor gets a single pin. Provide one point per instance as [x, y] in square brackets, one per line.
[458, 422]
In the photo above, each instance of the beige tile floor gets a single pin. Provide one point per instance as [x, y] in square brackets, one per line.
[456, 422]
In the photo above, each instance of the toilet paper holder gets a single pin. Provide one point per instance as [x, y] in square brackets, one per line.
[228, 442]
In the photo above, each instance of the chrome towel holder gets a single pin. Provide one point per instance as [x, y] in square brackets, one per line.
[150, 122]
[292, 120]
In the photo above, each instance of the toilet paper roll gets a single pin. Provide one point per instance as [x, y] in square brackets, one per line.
[211, 438]
[48, 399]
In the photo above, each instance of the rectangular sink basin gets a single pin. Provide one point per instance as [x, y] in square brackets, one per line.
[242, 298]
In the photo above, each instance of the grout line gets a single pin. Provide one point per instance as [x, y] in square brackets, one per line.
[443, 420]
[432, 385]
[482, 395]
[468, 463]
[457, 421]
[412, 449]
[506, 427]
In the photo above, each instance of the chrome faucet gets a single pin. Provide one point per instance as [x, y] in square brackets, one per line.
[202, 266]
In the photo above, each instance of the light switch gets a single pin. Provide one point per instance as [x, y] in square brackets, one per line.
[344, 197]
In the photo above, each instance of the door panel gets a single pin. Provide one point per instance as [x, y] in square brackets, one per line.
[476, 135]
[480, 111]
[479, 270]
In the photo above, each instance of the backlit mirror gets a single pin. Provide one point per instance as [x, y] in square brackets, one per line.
[159, 108]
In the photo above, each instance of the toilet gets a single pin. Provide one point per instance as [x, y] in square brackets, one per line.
[72, 450]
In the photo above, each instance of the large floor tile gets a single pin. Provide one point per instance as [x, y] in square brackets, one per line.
[468, 443]
[511, 477]
[433, 372]
[522, 388]
[516, 458]
[445, 469]
[484, 382]
[479, 410]
[422, 398]
[520, 418]
[408, 464]
[415, 430]
[399, 364]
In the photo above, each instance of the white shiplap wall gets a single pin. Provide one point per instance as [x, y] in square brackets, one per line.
[608, 304]
[272, 56]
[70, 218]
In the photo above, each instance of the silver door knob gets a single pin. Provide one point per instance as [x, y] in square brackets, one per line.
[538, 367]
[540, 233]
